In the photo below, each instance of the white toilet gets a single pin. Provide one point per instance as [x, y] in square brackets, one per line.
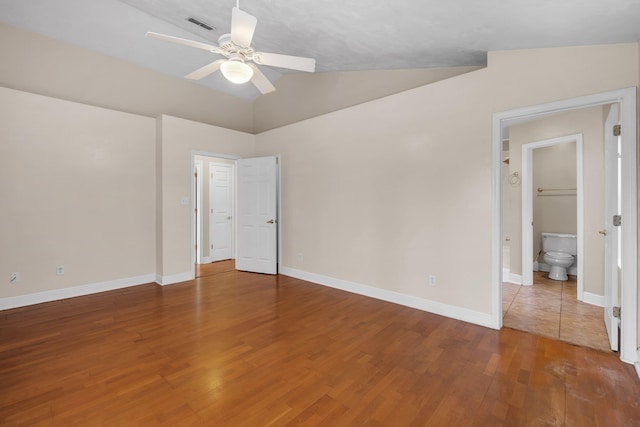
[560, 251]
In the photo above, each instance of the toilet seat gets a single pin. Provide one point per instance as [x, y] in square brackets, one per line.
[560, 255]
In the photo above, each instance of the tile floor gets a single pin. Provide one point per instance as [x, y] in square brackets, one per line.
[550, 308]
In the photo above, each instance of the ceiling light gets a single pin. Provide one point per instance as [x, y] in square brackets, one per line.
[236, 71]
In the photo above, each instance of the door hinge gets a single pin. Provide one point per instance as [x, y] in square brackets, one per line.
[212, 246]
[617, 220]
[617, 130]
[616, 312]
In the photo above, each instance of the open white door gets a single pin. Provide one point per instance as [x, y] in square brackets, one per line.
[257, 244]
[611, 232]
[221, 219]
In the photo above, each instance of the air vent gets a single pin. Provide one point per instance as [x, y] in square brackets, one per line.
[200, 24]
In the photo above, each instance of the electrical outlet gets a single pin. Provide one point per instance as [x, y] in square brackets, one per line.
[300, 257]
[60, 270]
[15, 277]
[432, 280]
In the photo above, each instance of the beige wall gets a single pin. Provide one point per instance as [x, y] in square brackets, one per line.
[300, 96]
[554, 211]
[383, 193]
[179, 138]
[78, 189]
[589, 123]
[391, 191]
[37, 64]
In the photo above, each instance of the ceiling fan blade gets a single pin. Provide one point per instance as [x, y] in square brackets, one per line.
[261, 81]
[185, 42]
[242, 27]
[206, 70]
[285, 61]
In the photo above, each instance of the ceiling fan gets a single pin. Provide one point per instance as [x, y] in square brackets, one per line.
[239, 66]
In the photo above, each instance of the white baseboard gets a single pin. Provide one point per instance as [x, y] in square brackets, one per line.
[206, 260]
[174, 278]
[516, 279]
[75, 291]
[458, 313]
[505, 274]
[637, 364]
[593, 299]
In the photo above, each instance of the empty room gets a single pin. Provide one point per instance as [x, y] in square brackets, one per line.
[244, 213]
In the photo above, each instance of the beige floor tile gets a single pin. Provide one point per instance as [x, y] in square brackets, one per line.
[583, 309]
[542, 300]
[550, 308]
[539, 323]
[584, 330]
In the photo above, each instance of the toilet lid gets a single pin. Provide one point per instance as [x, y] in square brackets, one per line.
[560, 255]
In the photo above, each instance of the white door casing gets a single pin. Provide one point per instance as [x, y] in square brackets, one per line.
[257, 221]
[198, 210]
[611, 233]
[527, 207]
[221, 211]
[629, 198]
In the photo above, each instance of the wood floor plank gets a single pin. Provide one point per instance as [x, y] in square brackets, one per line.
[239, 349]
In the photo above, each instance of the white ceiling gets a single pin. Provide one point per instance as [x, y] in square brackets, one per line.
[341, 35]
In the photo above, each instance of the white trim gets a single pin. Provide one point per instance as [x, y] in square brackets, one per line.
[175, 278]
[593, 299]
[199, 169]
[192, 160]
[75, 291]
[206, 260]
[516, 279]
[458, 313]
[627, 99]
[637, 364]
[527, 206]
[232, 167]
[505, 274]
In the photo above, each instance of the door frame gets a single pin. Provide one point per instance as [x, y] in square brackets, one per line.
[527, 206]
[629, 289]
[192, 159]
[233, 205]
[198, 167]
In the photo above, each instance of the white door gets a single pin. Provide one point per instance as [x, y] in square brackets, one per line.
[221, 211]
[257, 220]
[611, 232]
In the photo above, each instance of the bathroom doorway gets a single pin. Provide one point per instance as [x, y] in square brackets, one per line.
[629, 197]
[553, 200]
[531, 301]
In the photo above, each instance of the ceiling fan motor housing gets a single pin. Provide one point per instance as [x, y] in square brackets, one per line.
[232, 50]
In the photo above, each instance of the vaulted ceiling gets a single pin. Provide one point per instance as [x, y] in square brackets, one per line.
[341, 35]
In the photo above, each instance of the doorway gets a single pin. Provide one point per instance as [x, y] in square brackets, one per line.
[236, 213]
[628, 299]
[214, 231]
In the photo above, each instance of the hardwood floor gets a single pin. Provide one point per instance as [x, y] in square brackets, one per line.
[241, 349]
[551, 308]
[203, 270]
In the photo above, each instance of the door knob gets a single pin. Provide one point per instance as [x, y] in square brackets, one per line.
[271, 221]
[603, 232]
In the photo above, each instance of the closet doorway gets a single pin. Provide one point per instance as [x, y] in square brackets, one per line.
[214, 214]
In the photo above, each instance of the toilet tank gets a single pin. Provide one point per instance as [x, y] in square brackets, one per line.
[556, 242]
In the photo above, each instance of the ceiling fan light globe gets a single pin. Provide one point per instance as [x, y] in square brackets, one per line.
[236, 71]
